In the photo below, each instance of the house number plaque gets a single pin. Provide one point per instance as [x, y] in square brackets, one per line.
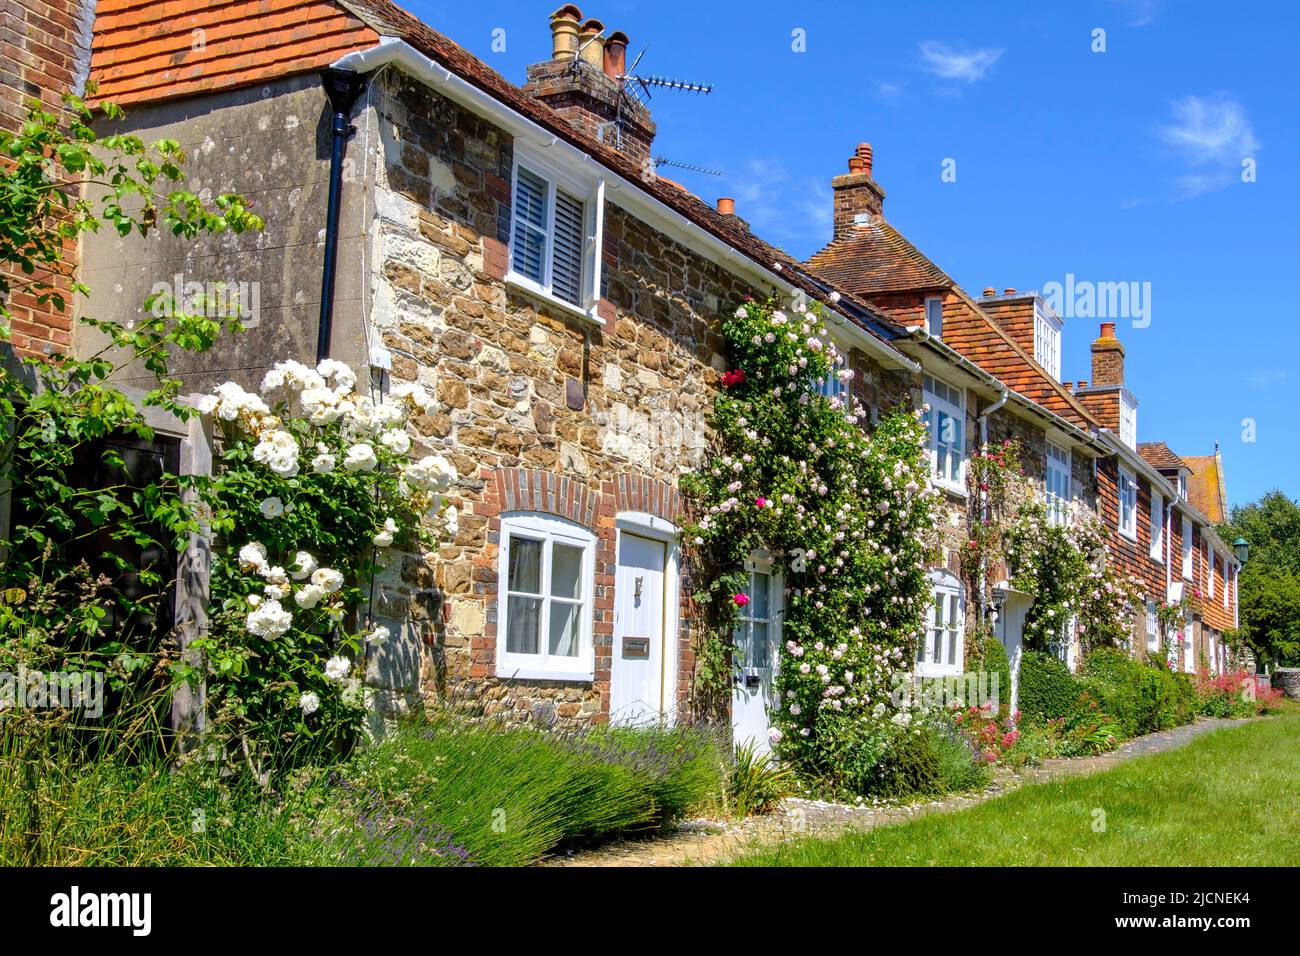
[636, 647]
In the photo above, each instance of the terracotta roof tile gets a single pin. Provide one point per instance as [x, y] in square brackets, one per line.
[1160, 455]
[876, 257]
[1205, 488]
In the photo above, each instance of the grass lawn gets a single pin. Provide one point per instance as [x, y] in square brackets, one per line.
[1229, 798]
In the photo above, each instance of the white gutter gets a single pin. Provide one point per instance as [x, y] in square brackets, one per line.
[395, 51]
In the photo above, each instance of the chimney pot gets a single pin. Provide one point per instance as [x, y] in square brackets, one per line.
[1108, 330]
[564, 32]
[989, 291]
[616, 55]
[1009, 292]
[1083, 383]
[857, 197]
[592, 44]
[727, 206]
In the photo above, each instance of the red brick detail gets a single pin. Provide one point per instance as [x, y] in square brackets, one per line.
[496, 260]
[44, 53]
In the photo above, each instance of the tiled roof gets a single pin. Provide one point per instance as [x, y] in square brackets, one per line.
[1205, 488]
[145, 51]
[876, 257]
[973, 333]
[371, 19]
[1160, 455]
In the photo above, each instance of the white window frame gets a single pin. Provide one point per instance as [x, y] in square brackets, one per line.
[760, 562]
[1128, 416]
[958, 412]
[934, 316]
[1157, 525]
[1047, 339]
[591, 192]
[1226, 585]
[1189, 563]
[549, 529]
[1058, 504]
[832, 386]
[952, 639]
[1128, 499]
[1209, 570]
[1153, 627]
[1182, 486]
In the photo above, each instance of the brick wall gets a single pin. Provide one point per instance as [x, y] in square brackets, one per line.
[46, 52]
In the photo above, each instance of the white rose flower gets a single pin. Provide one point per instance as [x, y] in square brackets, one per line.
[378, 635]
[309, 703]
[328, 579]
[360, 457]
[303, 565]
[396, 440]
[323, 463]
[252, 555]
[433, 473]
[279, 452]
[308, 596]
[384, 537]
[453, 520]
[271, 507]
[268, 619]
[273, 574]
[337, 668]
[341, 374]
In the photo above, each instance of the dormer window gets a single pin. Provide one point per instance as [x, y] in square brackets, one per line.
[1128, 420]
[1182, 485]
[1047, 339]
[934, 316]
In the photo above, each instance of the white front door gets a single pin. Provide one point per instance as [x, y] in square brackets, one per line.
[641, 687]
[1189, 647]
[754, 657]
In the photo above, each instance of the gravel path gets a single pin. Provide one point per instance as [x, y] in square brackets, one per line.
[697, 842]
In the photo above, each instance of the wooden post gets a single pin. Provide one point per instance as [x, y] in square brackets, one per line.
[192, 578]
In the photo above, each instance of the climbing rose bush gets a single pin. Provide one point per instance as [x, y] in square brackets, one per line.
[843, 515]
[315, 480]
[1068, 571]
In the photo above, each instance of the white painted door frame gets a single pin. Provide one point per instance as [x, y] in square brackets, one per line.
[645, 525]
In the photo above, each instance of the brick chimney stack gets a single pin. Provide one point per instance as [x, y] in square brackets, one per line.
[857, 196]
[581, 82]
[1107, 357]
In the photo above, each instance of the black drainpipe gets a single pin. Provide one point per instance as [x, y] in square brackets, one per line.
[342, 87]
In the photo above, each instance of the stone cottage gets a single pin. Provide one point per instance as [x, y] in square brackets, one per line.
[511, 249]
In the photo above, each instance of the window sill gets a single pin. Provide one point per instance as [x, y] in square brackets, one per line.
[538, 673]
[937, 670]
[531, 289]
[1128, 536]
[951, 487]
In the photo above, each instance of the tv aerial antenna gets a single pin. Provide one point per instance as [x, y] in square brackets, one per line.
[635, 93]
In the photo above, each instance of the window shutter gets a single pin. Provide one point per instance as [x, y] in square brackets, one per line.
[529, 253]
[566, 268]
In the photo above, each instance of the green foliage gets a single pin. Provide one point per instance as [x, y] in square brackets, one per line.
[758, 782]
[985, 653]
[842, 515]
[1047, 690]
[1142, 698]
[1269, 584]
[84, 564]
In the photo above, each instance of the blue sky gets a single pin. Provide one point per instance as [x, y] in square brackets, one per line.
[1115, 166]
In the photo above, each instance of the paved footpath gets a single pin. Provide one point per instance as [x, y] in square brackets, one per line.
[703, 842]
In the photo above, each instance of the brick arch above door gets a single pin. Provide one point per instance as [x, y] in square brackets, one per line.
[647, 495]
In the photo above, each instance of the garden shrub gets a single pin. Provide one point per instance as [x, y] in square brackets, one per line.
[1235, 694]
[911, 766]
[1143, 698]
[1048, 691]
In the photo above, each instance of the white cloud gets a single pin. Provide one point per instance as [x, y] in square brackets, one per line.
[1267, 378]
[964, 65]
[780, 208]
[1139, 13]
[1213, 135]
